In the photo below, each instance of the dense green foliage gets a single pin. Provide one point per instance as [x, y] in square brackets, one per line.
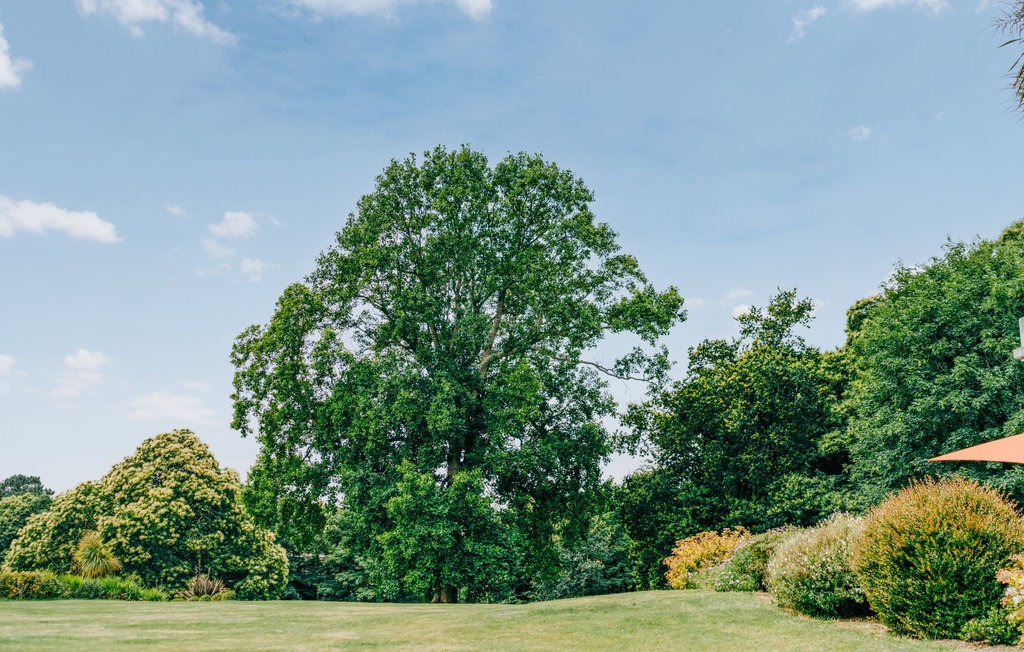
[444, 335]
[164, 512]
[934, 370]
[928, 556]
[23, 484]
[747, 437]
[811, 571]
[15, 511]
[597, 565]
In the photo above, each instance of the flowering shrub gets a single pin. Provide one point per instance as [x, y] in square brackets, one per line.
[747, 569]
[160, 513]
[1013, 596]
[927, 557]
[694, 557]
[811, 572]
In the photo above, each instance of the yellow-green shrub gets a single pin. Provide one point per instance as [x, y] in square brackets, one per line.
[927, 557]
[30, 585]
[694, 556]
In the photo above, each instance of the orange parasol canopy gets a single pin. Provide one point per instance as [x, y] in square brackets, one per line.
[1008, 449]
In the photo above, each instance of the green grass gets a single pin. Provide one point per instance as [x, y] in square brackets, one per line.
[656, 620]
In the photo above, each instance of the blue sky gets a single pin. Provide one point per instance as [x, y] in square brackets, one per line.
[167, 167]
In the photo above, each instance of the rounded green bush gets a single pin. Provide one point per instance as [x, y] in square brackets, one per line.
[811, 571]
[927, 557]
[747, 569]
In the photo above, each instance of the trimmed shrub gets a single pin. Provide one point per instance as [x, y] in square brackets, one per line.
[694, 558]
[811, 571]
[747, 569]
[30, 585]
[928, 556]
[77, 587]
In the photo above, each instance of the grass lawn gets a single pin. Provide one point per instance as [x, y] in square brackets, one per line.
[654, 620]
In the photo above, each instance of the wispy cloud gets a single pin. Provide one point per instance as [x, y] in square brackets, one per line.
[10, 68]
[186, 15]
[174, 209]
[859, 134]
[738, 293]
[165, 405]
[804, 19]
[8, 372]
[253, 268]
[215, 249]
[38, 218]
[695, 302]
[236, 224]
[934, 6]
[83, 371]
[475, 9]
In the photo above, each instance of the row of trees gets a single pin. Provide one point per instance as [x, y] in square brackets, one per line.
[432, 427]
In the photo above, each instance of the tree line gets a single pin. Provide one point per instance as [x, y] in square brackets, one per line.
[432, 425]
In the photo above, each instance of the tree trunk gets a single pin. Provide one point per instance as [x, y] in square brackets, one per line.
[447, 595]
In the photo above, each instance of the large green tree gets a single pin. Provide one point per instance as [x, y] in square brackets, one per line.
[446, 333]
[934, 365]
[748, 437]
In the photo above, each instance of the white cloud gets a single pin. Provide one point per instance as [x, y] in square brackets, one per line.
[859, 134]
[215, 249]
[83, 371]
[174, 209]
[695, 302]
[254, 268]
[217, 270]
[8, 371]
[739, 293]
[804, 19]
[10, 69]
[165, 405]
[37, 218]
[475, 9]
[740, 310]
[934, 6]
[235, 224]
[183, 14]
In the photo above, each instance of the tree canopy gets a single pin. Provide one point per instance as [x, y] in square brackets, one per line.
[934, 365]
[436, 362]
[746, 438]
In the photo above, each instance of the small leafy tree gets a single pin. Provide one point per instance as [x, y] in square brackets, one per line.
[23, 484]
[163, 511]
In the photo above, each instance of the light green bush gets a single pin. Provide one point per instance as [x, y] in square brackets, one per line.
[747, 569]
[30, 585]
[811, 571]
[928, 556]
